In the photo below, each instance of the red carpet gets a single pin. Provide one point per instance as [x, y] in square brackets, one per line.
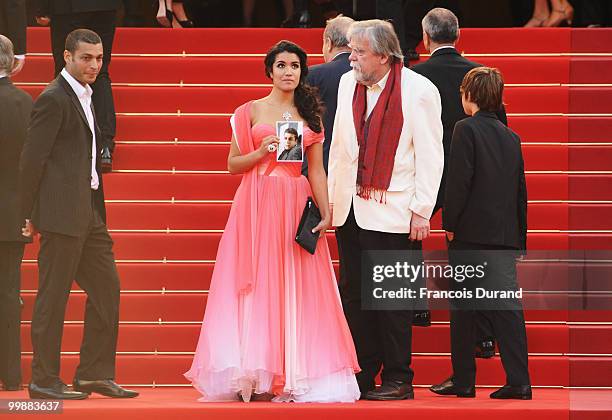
[170, 194]
[174, 403]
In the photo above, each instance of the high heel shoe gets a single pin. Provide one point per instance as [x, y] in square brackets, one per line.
[182, 23]
[535, 22]
[164, 15]
[560, 17]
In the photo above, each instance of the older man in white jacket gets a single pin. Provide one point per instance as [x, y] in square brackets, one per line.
[385, 166]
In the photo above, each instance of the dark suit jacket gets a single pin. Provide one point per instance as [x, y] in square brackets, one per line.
[63, 7]
[13, 23]
[486, 195]
[56, 164]
[326, 77]
[446, 69]
[15, 109]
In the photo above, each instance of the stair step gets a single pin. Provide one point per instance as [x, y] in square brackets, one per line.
[245, 70]
[135, 99]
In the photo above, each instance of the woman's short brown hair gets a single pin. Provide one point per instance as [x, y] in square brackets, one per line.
[485, 87]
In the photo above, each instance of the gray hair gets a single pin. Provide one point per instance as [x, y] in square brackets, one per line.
[336, 30]
[7, 57]
[441, 25]
[381, 36]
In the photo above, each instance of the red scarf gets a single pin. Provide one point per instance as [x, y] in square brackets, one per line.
[379, 135]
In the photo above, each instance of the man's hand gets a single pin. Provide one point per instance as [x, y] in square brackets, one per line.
[29, 230]
[17, 66]
[419, 227]
[43, 20]
[450, 236]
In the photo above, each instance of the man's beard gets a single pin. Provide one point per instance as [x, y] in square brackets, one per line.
[363, 78]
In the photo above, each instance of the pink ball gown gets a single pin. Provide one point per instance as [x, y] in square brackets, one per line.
[274, 320]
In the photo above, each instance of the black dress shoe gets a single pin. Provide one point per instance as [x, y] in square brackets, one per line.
[448, 387]
[508, 392]
[421, 318]
[106, 160]
[59, 391]
[485, 349]
[105, 387]
[391, 390]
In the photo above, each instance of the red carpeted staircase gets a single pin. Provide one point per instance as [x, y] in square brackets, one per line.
[169, 197]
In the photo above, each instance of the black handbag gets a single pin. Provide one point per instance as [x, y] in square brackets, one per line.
[311, 217]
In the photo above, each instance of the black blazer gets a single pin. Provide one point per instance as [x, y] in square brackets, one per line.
[56, 164]
[326, 77]
[13, 23]
[62, 7]
[446, 69]
[15, 109]
[486, 194]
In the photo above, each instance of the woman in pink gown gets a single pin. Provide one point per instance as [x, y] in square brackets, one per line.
[274, 325]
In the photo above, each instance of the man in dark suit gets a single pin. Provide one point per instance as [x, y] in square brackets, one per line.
[13, 23]
[64, 16]
[485, 219]
[15, 108]
[63, 198]
[446, 68]
[326, 76]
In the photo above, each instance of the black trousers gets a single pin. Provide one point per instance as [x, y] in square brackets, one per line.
[508, 325]
[382, 338]
[89, 259]
[103, 23]
[11, 254]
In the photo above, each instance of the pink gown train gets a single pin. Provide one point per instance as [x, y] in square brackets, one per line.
[273, 321]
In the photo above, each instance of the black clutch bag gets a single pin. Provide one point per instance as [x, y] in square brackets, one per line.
[310, 218]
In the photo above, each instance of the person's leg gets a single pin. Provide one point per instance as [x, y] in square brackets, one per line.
[414, 12]
[103, 23]
[363, 324]
[395, 326]
[541, 12]
[58, 259]
[60, 27]
[393, 10]
[248, 6]
[11, 254]
[97, 276]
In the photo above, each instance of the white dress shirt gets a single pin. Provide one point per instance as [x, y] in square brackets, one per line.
[84, 95]
[373, 93]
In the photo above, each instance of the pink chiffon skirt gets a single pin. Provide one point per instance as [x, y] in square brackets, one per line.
[288, 335]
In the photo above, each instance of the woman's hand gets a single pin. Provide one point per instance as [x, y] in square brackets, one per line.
[265, 143]
[323, 225]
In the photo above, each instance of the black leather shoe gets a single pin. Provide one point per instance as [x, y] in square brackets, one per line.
[391, 390]
[485, 349]
[421, 318]
[106, 160]
[508, 392]
[448, 387]
[59, 391]
[105, 387]
[11, 387]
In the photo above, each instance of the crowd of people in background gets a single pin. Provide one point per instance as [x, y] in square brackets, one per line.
[314, 13]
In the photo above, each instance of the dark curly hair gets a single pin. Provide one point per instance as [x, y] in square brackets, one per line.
[306, 97]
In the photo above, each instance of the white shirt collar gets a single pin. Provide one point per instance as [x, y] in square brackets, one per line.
[382, 82]
[441, 48]
[82, 92]
[341, 52]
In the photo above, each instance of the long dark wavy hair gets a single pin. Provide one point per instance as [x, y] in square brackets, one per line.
[306, 97]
